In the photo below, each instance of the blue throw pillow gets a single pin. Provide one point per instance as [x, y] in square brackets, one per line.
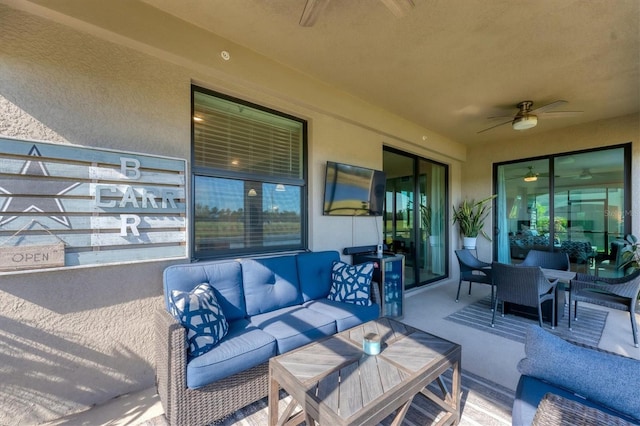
[351, 283]
[611, 380]
[199, 312]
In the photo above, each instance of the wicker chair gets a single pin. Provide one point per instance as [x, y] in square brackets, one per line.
[547, 259]
[555, 410]
[470, 264]
[615, 293]
[524, 285]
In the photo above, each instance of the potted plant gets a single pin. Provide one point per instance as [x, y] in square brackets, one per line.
[630, 254]
[470, 216]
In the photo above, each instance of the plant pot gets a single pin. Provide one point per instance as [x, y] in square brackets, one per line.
[469, 242]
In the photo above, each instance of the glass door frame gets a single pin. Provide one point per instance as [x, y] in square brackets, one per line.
[412, 270]
[626, 214]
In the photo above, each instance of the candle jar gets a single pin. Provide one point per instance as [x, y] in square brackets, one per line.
[371, 344]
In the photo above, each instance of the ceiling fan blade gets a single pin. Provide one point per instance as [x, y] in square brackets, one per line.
[560, 114]
[312, 9]
[547, 107]
[497, 125]
[399, 8]
[504, 117]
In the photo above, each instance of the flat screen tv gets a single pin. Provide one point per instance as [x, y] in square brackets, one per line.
[353, 190]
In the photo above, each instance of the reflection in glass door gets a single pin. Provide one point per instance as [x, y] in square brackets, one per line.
[415, 215]
[584, 217]
[589, 201]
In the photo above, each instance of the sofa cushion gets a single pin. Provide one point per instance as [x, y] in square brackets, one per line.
[346, 315]
[224, 277]
[294, 326]
[351, 283]
[314, 273]
[244, 347]
[270, 284]
[198, 311]
[602, 377]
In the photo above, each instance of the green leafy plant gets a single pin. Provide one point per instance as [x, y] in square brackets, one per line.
[630, 254]
[470, 216]
[425, 215]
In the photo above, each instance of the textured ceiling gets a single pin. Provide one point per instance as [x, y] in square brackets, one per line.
[448, 65]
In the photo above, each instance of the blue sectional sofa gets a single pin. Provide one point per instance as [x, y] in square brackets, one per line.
[600, 380]
[271, 305]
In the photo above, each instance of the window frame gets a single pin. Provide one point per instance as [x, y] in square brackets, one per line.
[212, 172]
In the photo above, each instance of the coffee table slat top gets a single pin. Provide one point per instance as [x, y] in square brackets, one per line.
[312, 362]
[373, 387]
[339, 382]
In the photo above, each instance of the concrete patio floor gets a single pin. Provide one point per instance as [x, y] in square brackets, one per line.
[484, 354]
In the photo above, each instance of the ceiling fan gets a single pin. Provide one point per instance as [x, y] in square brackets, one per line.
[313, 9]
[526, 117]
[529, 176]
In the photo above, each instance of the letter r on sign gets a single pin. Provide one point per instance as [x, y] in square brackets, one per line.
[129, 221]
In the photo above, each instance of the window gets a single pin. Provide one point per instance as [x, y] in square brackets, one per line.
[249, 178]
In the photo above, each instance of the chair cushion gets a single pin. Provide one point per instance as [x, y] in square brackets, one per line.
[244, 347]
[602, 377]
[530, 391]
[199, 312]
[346, 315]
[351, 283]
[294, 326]
[314, 273]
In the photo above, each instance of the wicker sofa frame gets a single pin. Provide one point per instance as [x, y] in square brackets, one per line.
[185, 406]
[205, 405]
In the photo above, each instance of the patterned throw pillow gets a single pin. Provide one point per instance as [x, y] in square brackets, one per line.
[199, 312]
[351, 284]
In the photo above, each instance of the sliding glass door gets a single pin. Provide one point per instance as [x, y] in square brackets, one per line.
[573, 202]
[415, 215]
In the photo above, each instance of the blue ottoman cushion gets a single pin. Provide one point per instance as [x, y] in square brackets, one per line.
[608, 379]
[530, 392]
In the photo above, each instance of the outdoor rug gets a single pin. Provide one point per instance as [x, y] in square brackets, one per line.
[483, 403]
[587, 330]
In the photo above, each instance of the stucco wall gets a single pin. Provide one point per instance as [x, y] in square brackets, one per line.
[74, 338]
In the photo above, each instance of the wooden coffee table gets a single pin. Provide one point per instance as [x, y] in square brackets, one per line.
[336, 383]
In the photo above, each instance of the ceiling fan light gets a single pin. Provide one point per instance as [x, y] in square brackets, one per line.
[586, 174]
[524, 122]
[530, 176]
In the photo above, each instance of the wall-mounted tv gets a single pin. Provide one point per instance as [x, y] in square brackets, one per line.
[353, 190]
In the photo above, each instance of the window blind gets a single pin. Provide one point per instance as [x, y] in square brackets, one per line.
[242, 139]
